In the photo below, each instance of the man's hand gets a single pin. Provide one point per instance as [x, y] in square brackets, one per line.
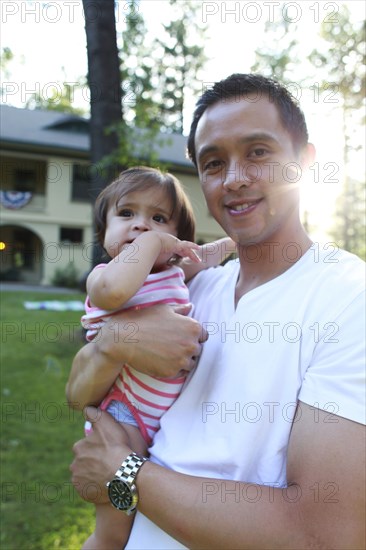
[156, 341]
[159, 340]
[98, 456]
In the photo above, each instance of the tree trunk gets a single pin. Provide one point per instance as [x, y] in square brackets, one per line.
[105, 90]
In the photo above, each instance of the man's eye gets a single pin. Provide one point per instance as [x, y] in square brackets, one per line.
[212, 164]
[258, 152]
[159, 218]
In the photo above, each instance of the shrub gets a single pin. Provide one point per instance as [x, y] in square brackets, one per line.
[66, 276]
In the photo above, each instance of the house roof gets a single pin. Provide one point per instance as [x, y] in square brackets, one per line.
[61, 133]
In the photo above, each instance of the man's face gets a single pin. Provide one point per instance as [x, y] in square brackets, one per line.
[249, 170]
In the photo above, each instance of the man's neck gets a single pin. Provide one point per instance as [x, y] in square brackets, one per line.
[260, 263]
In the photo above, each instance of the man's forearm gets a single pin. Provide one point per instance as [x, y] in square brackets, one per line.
[211, 513]
[220, 514]
[323, 456]
[322, 507]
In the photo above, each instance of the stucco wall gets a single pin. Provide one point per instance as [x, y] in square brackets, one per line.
[48, 212]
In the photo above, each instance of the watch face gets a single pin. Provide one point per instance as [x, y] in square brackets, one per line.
[120, 494]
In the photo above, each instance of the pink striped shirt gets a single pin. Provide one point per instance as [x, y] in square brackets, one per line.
[147, 397]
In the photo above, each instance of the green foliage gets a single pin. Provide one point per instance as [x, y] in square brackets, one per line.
[182, 57]
[39, 508]
[278, 56]
[139, 106]
[155, 78]
[349, 231]
[67, 277]
[137, 145]
[60, 99]
[138, 130]
[343, 55]
[5, 58]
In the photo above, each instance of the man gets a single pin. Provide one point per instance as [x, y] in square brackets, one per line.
[265, 446]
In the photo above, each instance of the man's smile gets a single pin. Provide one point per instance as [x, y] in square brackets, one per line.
[244, 206]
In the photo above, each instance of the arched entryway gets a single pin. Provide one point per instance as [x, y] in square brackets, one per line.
[21, 255]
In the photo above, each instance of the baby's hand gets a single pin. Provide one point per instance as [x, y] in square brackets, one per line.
[173, 245]
[187, 249]
[217, 251]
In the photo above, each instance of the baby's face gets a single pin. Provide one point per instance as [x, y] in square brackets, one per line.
[135, 213]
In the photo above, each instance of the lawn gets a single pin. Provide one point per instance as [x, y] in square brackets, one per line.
[39, 508]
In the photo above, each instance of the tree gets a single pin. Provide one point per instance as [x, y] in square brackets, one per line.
[137, 66]
[156, 77]
[5, 58]
[139, 128]
[349, 230]
[61, 100]
[158, 74]
[343, 55]
[278, 57]
[133, 100]
[105, 90]
[181, 60]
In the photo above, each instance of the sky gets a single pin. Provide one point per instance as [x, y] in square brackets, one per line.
[48, 41]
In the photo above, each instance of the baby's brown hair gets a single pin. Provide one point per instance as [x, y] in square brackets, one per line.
[140, 178]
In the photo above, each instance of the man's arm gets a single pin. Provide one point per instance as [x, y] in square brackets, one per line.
[211, 255]
[323, 507]
[159, 340]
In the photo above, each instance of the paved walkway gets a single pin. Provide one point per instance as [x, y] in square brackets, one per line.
[5, 287]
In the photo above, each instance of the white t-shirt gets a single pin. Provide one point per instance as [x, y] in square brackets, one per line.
[298, 337]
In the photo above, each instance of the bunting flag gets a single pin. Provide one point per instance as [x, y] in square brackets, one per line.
[15, 199]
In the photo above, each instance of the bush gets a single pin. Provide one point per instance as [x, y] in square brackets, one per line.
[66, 277]
[13, 274]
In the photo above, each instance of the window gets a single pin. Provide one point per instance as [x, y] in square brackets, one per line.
[81, 182]
[23, 174]
[71, 235]
[25, 180]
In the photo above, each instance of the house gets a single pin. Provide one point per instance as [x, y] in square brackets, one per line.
[46, 210]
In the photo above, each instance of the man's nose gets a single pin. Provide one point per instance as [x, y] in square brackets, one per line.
[239, 175]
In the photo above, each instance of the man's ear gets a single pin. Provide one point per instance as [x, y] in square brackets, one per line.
[307, 156]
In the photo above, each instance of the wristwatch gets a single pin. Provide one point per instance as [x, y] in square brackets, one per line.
[122, 490]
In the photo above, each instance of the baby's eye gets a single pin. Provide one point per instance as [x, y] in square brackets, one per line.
[125, 213]
[159, 218]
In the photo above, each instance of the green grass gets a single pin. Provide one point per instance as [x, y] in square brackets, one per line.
[39, 508]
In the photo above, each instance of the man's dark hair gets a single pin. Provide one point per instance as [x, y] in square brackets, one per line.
[244, 87]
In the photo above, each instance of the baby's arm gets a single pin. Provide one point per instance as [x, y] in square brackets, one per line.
[111, 287]
[211, 255]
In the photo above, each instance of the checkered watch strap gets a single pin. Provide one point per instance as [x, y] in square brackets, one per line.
[130, 466]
